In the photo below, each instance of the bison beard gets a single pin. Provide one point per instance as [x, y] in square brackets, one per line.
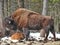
[26, 19]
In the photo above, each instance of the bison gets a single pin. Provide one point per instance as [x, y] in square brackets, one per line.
[24, 20]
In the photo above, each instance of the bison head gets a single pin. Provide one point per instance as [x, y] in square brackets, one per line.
[10, 24]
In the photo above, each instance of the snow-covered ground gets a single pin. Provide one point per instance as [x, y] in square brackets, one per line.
[37, 36]
[34, 35]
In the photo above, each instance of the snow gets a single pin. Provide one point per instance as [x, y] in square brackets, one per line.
[33, 35]
[8, 39]
[4, 38]
[37, 36]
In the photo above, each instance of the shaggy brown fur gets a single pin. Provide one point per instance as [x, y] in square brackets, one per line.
[20, 16]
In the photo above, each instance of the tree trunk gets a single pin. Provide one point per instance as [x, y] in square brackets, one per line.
[1, 17]
[2, 7]
[20, 3]
[8, 6]
[45, 7]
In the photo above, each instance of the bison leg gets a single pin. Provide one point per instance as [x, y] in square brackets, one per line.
[51, 29]
[53, 32]
[26, 33]
[47, 32]
[42, 33]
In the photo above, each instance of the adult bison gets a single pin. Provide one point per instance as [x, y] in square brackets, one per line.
[23, 19]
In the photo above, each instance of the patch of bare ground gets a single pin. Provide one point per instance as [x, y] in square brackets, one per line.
[32, 43]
